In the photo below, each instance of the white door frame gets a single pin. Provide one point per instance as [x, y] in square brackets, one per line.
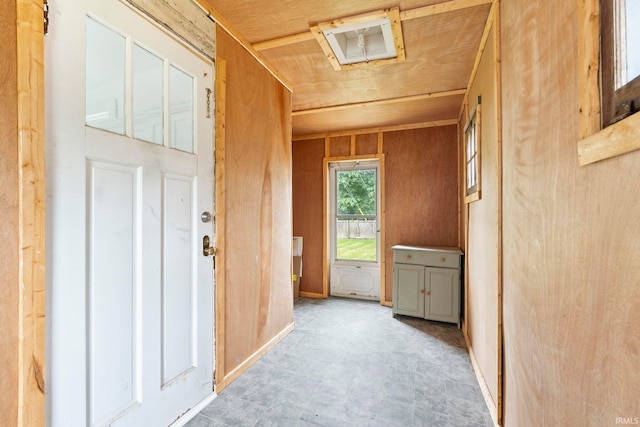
[356, 269]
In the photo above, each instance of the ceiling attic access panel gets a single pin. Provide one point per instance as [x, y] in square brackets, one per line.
[362, 40]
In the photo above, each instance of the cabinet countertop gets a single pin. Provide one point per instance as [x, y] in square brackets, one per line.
[448, 249]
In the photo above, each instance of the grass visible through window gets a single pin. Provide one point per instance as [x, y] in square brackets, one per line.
[357, 249]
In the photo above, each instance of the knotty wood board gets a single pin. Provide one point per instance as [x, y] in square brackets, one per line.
[482, 250]
[258, 206]
[307, 209]
[571, 247]
[9, 212]
[420, 186]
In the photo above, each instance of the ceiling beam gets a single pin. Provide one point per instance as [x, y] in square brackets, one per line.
[393, 128]
[380, 102]
[420, 12]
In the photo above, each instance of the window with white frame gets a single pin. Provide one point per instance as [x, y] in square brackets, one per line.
[472, 155]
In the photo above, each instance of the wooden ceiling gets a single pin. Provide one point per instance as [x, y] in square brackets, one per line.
[441, 41]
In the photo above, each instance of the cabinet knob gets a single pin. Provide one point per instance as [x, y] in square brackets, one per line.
[443, 259]
[408, 256]
[422, 291]
[428, 293]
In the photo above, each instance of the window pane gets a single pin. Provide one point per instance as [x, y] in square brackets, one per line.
[105, 83]
[147, 96]
[632, 36]
[356, 192]
[356, 199]
[181, 110]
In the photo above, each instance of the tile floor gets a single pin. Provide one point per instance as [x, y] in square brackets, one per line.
[350, 363]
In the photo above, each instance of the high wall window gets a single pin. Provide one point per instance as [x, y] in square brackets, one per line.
[620, 56]
[472, 155]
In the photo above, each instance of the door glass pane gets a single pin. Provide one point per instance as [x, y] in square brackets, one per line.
[181, 110]
[105, 81]
[148, 88]
[356, 222]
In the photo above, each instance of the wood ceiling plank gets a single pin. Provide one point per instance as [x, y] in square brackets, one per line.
[420, 12]
[260, 20]
[447, 6]
[220, 20]
[440, 52]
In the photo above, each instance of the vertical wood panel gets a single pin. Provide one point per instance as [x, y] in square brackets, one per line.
[31, 328]
[340, 146]
[483, 240]
[571, 284]
[420, 190]
[366, 144]
[258, 209]
[307, 210]
[9, 225]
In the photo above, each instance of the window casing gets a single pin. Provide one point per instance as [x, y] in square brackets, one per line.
[472, 155]
[620, 59]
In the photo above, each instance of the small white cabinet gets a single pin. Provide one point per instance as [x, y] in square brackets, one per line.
[426, 282]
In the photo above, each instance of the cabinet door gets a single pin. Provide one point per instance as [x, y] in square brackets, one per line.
[442, 297]
[408, 290]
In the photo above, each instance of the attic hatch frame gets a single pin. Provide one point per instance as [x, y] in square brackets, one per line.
[392, 15]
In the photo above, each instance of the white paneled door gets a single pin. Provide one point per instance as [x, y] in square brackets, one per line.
[130, 173]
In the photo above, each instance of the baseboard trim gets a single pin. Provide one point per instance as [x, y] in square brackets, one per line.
[191, 413]
[231, 376]
[311, 295]
[491, 405]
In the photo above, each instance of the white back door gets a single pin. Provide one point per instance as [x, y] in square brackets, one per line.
[130, 171]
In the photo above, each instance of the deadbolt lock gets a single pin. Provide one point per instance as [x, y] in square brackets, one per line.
[207, 249]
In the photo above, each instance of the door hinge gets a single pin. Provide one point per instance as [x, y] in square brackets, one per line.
[45, 11]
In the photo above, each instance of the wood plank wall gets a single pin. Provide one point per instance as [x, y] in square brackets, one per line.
[571, 246]
[482, 249]
[9, 217]
[420, 188]
[256, 221]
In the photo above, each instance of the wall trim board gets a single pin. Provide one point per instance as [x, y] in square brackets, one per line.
[481, 47]
[326, 256]
[395, 128]
[32, 214]
[314, 295]
[214, 15]
[222, 383]
[499, 172]
[491, 405]
[220, 208]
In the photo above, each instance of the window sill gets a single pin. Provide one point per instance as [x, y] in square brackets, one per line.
[472, 197]
[620, 138]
